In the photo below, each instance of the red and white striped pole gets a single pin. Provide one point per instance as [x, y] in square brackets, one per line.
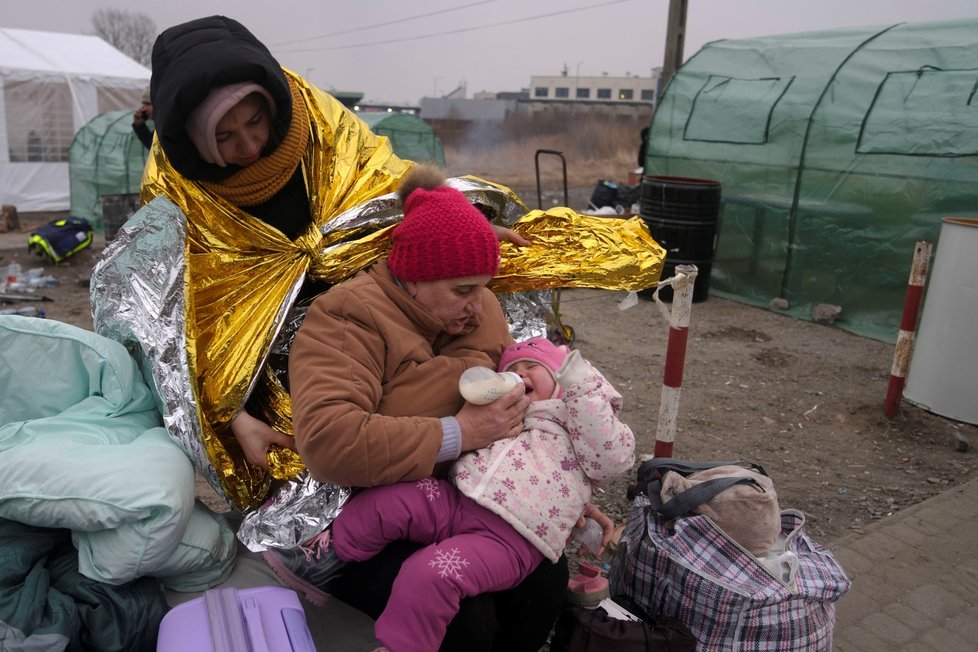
[908, 325]
[672, 380]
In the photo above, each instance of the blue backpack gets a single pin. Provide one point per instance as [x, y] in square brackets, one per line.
[61, 239]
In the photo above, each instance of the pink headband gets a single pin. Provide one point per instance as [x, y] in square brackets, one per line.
[202, 122]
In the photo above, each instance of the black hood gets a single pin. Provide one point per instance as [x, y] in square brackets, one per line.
[192, 58]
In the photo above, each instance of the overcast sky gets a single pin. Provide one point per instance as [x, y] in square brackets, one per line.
[396, 51]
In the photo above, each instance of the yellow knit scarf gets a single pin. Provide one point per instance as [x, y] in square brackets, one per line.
[259, 182]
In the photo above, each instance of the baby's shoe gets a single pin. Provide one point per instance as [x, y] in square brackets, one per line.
[309, 568]
[589, 587]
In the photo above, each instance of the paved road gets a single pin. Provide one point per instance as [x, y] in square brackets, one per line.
[914, 579]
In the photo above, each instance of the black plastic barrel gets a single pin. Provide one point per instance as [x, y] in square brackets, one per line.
[116, 209]
[682, 213]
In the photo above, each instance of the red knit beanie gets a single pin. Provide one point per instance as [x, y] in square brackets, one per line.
[442, 236]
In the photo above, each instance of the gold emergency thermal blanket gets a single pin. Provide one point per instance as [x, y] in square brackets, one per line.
[205, 297]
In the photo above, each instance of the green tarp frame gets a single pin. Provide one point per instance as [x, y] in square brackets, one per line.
[105, 158]
[411, 137]
[837, 151]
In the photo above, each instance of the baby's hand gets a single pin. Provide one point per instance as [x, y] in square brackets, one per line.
[607, 526]
[572, 371]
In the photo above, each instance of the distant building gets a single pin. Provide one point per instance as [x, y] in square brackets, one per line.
[514, 95]
[626, 97]
[353, 100]
[349, 99]
[364, 107]
[478, 110]
[458, 93]
[566, 88]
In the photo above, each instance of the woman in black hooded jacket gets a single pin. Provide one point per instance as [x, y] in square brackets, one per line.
[189, 62]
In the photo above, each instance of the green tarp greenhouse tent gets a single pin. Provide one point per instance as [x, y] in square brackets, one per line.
[836, 150]
[105, 158]
[411, 137]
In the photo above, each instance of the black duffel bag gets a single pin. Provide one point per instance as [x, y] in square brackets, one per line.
[579, 629]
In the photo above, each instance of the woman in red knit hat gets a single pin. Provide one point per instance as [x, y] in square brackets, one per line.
[374, 372]
[244, 147]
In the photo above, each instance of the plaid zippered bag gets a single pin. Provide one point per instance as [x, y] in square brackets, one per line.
[690, 570]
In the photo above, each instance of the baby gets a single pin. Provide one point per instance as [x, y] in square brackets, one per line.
[507, 507]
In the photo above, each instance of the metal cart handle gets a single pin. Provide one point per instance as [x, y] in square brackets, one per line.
[536, 161]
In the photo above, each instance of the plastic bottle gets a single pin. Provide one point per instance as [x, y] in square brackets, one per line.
[481, 385]
[590, 535]
[25, 311]
[38, 281]
[14, 271]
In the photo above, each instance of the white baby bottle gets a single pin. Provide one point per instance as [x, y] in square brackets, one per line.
[481, 385]
[590, 536]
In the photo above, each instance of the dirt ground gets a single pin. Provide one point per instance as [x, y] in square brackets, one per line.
[804, 400]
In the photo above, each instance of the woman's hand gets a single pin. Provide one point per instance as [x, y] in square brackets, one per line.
[509, 235]
[255, 437]
[607, 526]
[483, 424]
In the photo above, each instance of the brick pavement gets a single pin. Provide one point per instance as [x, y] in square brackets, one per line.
[914, 579]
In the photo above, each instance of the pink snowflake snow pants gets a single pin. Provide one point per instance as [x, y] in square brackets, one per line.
[471, 551]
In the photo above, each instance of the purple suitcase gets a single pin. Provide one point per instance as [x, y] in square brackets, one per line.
[263, 619]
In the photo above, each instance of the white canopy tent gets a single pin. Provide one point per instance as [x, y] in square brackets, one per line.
[51, 85]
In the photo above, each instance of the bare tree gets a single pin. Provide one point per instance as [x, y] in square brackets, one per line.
[132, 33]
